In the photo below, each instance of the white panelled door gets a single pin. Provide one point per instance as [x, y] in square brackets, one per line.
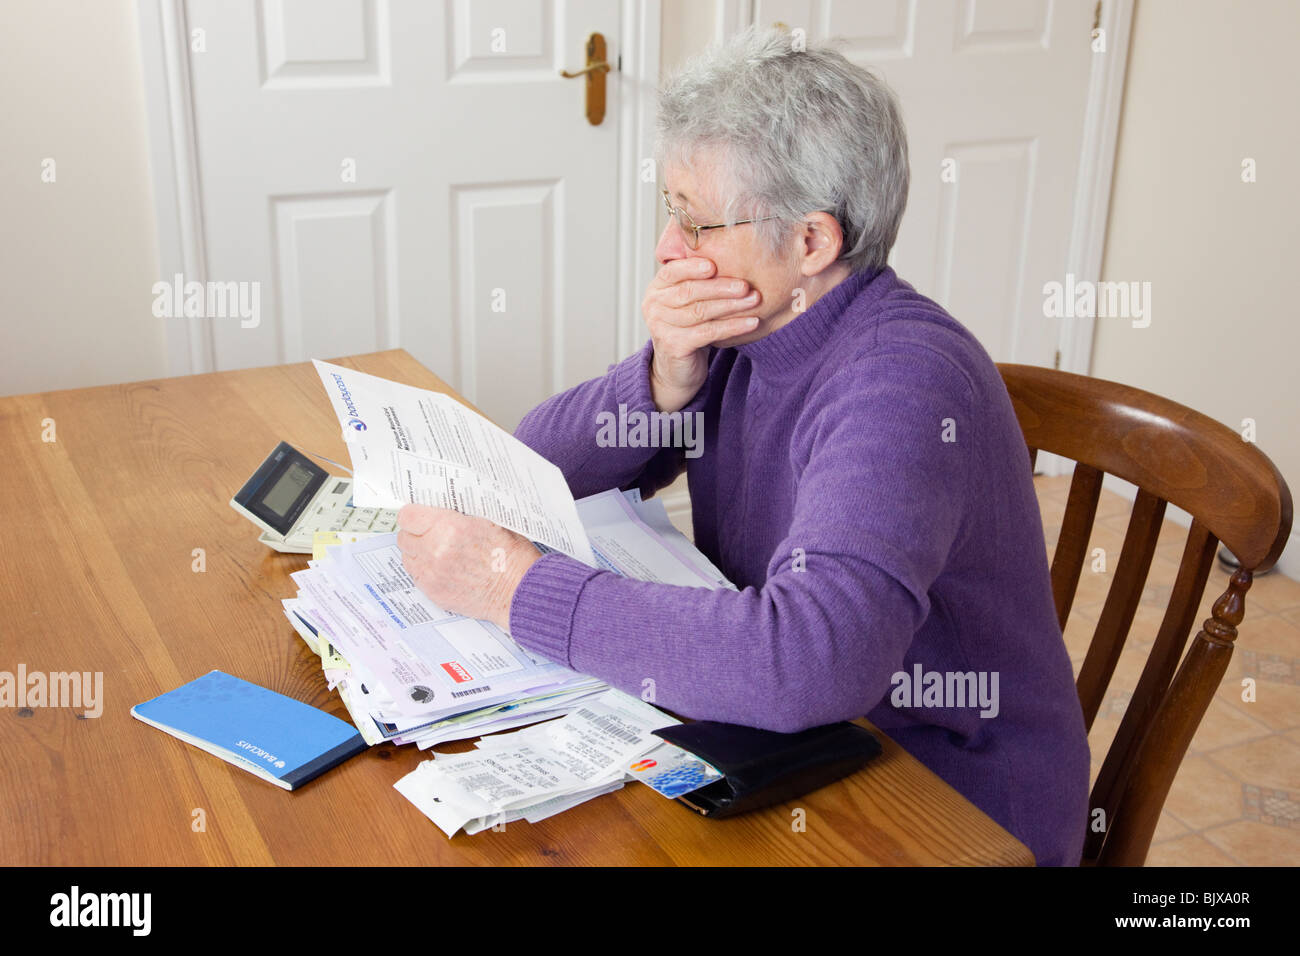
[993, 92]
[414, 174]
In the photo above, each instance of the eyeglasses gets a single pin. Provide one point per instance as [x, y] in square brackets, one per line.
[691, 229]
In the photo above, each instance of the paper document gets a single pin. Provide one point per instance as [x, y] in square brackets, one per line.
[537, 772]
[431, 663]
[410, 445]
[626, 544]
[410, 672]
[654, 516]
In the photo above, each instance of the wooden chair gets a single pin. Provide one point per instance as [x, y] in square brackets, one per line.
[1234, 494]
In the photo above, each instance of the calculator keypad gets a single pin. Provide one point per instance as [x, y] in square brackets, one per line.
[333, 514]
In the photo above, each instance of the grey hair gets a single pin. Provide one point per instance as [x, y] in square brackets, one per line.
[792, 132]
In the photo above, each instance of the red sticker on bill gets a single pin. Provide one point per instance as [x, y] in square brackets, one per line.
[458, 673]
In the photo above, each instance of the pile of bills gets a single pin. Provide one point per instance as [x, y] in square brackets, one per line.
[410, 672]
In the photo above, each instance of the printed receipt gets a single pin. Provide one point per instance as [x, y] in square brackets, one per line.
[512, 776]
[413, 446]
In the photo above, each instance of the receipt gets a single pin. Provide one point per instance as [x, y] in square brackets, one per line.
[410, 445]
[475, 790]
[524, 774]
[598, 738]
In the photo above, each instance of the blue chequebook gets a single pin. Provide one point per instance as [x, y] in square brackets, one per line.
[280, 739]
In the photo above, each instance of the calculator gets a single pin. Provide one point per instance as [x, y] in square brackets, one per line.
[290, 498]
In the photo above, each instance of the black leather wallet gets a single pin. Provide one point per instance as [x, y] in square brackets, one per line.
[761, 767]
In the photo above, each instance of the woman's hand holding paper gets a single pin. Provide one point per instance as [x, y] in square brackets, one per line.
[469, 566]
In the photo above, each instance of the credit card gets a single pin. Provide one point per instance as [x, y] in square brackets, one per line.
[671, 771]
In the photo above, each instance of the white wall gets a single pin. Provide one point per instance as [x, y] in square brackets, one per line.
[1208, 85]
[78, 256]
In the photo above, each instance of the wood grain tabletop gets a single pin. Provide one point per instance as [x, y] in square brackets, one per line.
[121, 556]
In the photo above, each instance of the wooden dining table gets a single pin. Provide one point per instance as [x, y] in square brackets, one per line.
[122, 557]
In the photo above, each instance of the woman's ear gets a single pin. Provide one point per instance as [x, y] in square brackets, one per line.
[822, 241]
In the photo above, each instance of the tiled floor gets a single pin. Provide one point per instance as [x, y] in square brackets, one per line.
[1236, 799]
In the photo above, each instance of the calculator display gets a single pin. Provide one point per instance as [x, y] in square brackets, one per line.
[285, 492]
[281, 489]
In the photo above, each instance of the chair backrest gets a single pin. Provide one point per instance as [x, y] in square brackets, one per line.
[1233, 493]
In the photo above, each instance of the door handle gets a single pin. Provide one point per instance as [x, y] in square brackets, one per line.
[594, 71]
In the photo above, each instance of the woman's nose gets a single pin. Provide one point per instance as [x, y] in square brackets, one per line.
[672, 243]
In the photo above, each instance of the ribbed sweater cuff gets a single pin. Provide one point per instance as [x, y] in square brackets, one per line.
[632, 380]
[541, 613]
[632, 383]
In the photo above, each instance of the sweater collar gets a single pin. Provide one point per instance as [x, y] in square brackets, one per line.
[791, 346]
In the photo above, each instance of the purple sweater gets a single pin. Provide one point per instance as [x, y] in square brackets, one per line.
[865, 485]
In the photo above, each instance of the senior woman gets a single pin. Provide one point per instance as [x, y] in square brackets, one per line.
[863, 480]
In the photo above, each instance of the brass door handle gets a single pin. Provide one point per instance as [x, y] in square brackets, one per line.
[594, 71]
[595, 66]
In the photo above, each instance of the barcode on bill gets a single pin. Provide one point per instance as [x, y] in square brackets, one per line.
[470, 690]
[610, 725]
